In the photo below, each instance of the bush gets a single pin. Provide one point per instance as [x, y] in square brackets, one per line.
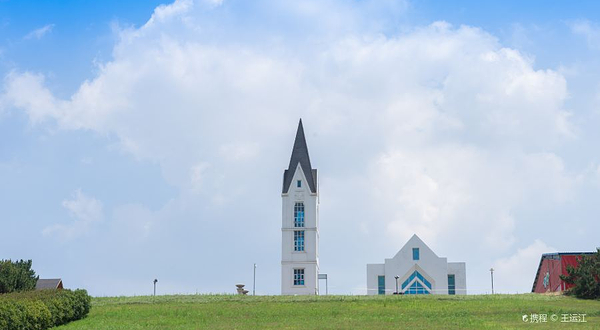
[585, 277]
[16, 276]
[42, 309]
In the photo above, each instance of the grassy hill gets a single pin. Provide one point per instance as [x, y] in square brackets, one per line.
[335, 312]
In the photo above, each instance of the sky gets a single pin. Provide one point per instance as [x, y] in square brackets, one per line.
[143, 140]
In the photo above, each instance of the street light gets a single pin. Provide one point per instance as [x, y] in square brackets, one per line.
[254, 282]
[492, 274]
[155, 280]
[396, 277]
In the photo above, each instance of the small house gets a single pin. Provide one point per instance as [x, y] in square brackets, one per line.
[49, 284]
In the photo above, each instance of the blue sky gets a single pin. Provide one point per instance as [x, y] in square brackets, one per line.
[143, 140]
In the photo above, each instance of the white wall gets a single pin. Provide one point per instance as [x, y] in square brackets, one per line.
[432, 267]
[309, 258]
[459, 269]
[373, 272]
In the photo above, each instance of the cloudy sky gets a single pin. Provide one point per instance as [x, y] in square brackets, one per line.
[147, 140]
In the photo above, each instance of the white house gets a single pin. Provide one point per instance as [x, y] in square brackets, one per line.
[418, 270]
[300, 223]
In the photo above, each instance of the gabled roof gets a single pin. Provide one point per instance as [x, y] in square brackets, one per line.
[52, 283]
[300, 156]
[415, 241]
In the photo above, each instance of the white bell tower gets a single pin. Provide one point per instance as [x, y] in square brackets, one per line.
[300, 223]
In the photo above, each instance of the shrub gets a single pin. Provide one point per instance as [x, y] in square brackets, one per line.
[42, 309]
[585, 277]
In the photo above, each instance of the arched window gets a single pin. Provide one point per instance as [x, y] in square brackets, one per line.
[299, 215]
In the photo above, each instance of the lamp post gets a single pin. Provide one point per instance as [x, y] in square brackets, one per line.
[254, 282]
[155, 280]
[396, 277]
[492, 274]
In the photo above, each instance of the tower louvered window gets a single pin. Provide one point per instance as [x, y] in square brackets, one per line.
[299, 276]
[299, 215]
[299, 240]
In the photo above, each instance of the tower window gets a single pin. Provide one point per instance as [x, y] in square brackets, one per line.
[299, 183]
[299, 215]
[415, 253]
[451, 284]
[298, 276]
[380, 284]
[299, 240]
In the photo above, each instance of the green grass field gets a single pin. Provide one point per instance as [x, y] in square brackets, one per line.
[335, 312]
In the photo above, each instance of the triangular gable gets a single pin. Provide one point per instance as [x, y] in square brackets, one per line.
[416, 273]
[415, 242]
[416, 276]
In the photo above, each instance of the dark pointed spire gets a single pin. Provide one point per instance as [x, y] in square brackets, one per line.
[300, 155]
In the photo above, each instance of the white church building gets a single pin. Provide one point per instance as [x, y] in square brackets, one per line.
[416, 269]
[300, 223]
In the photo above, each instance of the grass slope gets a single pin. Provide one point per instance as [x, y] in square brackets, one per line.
[334, 312]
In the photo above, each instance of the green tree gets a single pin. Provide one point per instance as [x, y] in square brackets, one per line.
[16, 276]
[585, 277]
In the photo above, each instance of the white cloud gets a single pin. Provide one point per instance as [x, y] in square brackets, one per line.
[165, 12]
[133, 222]
[27, 91]
[86, 212]
[197, 173]
[439, 130]
[239, 151]
[589, 30]
[39, 33]
[510, 272]
[214, 3]
[445, 191]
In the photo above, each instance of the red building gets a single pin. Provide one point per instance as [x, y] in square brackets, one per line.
[552, 265]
